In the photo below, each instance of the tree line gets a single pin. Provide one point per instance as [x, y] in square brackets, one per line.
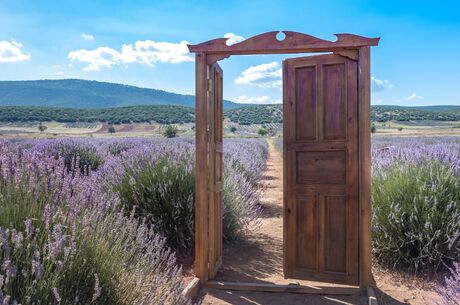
[163, 114]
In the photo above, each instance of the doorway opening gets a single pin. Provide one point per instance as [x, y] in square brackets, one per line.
[326, 158]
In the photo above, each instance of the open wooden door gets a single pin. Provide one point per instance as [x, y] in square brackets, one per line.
[215, 118]
[321, 210]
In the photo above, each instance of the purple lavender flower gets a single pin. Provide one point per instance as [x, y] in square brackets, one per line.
[97, 288]
[450, 291]
[29, 227]
[56, 295]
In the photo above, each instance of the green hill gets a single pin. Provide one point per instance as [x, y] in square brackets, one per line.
[258, 114]
[77, 93]
[437, 108]
[399, 113]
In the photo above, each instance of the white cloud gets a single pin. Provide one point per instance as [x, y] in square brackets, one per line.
[243, 99]
[232, 39]
[87, 36]
[145, 52]
[377, 102]
[11, 52]
[413, 96]
[56, 66]
[380, 84]
[264, 75]
[100, 57]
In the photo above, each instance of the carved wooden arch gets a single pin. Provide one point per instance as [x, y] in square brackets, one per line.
[207, 54]
[293, 42]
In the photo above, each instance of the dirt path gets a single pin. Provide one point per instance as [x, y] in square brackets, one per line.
[259, 258]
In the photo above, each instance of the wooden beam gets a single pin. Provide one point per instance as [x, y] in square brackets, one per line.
[364, 112]
[192, 288]
[201, 169]
[294, 42]
[351, 54]
[291, 288]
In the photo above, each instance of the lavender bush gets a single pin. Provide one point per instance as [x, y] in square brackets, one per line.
[416, 202]
[157, 179]
[278, 143]
[82, 152]
[450, 290]
[244, 162]
[76, 221]
[158, 183]
[65, 240]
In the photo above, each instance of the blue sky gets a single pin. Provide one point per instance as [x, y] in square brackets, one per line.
[142, 43]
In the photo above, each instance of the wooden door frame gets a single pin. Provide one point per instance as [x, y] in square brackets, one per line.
[209, 52]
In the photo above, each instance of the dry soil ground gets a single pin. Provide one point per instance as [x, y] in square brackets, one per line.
[259, 259]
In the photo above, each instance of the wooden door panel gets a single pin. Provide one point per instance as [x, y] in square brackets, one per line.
[335, 219]
[306, 111]
[307, 236]
[321, 168]
[334, 109]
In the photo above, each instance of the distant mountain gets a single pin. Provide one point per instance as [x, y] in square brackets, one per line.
[437, 108]
[77, 93]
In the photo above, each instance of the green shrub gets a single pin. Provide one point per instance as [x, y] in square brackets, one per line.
[170, 131]
[416, 216]
[162, 192]
[262, 132]
[42, 127]
[161, 189]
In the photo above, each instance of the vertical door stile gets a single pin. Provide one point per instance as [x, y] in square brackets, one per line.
[201, 185]
[211, 125]
[215, 98]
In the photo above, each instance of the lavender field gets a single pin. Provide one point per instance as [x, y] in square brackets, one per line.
[99, 221]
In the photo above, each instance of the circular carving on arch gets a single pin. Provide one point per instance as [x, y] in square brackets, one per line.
[280, 36]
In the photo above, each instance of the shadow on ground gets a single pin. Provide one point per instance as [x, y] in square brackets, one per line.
[385, 299]
[247, 261]
[222, 297]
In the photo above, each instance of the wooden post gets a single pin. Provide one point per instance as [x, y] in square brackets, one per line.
[364, 112]
[201, 169]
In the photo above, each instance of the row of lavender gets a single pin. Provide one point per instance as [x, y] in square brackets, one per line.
[416, 207]
[93, 221]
